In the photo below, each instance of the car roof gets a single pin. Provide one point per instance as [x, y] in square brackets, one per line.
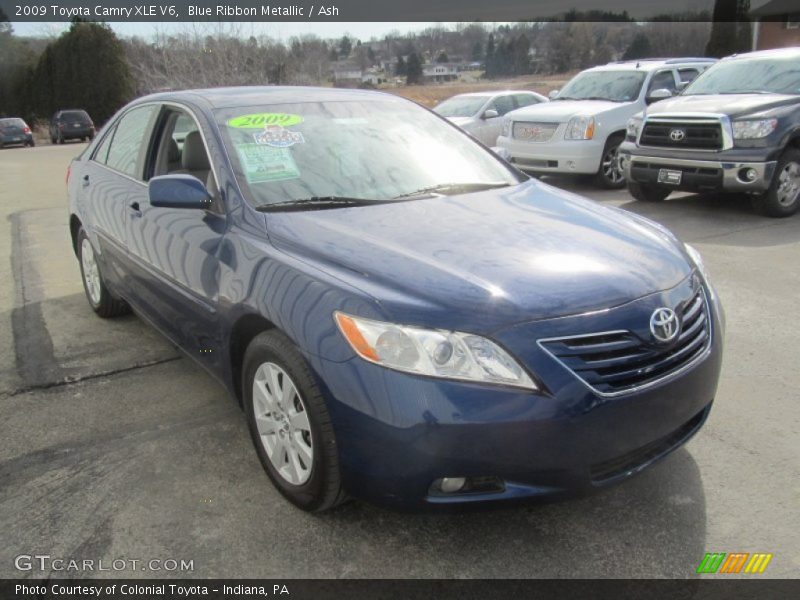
[230, 97]
[650, 64]
[791, 52]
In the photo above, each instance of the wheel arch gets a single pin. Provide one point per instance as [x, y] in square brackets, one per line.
[244, 330]
[74, 227]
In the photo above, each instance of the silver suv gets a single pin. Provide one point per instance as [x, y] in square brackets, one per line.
[580, 131]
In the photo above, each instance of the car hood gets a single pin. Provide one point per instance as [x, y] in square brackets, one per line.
[561, 110]
[462, 121]
[733, 105]
[483, 261]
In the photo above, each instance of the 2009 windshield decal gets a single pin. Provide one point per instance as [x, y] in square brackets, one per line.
[261, 120]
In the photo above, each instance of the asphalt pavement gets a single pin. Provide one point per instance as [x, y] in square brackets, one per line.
[117, 447]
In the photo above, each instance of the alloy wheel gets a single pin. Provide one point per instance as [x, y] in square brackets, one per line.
[282, 423]
[612, 170]
[91, 272]
[788, 184]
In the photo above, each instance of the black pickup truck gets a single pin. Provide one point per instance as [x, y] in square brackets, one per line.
[736, 128]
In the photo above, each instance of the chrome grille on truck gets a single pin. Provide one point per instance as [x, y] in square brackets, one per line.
[698, 135]
[533, 132]
[616, 362]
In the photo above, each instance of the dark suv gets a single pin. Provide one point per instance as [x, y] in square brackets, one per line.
[736, 128]
[70, 125]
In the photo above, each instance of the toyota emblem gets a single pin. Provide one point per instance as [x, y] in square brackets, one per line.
[677, 135]
[664, 325]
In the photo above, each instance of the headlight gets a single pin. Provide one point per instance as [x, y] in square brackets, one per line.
[697, 260]
[506, 128]
[580, 128]
[432, 352]
[633, 127]
[749, 130]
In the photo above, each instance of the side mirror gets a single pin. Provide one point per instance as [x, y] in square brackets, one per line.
[552, 94]
[659, 94]
[178, 191]
[501, 152]
[491, 114]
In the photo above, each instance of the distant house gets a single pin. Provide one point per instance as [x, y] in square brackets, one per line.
[438, 72]
[347, 74]
[777, 25]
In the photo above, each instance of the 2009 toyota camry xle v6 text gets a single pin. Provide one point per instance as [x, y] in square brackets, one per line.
[404, 317]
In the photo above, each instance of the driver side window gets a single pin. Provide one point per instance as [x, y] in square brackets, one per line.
[663, 80]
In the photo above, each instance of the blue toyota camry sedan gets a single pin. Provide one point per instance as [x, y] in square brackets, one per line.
[403, 316]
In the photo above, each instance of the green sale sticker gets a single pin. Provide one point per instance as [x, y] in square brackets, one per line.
[264, 163]
[261, 120]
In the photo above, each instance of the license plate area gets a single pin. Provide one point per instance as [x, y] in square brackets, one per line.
[670, 176]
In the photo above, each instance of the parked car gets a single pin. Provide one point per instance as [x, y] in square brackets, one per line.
[71, 124]
[481, 113]
[736, 129]
[403, 316]
[15, 131]
[581, 130]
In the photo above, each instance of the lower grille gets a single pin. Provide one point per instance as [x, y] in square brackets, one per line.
[533, 162]
[698, 135]
[616, 362]
[635, 459]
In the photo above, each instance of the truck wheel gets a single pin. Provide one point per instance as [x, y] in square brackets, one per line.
[610, 174]
[782, 199]
[647, 193]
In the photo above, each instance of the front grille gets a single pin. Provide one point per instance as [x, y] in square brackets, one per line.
[616, 362]
[696, 135]
[533, 132]
[635, 459]
[535, 162]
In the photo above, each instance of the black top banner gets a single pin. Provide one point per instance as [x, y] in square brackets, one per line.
[359, 10]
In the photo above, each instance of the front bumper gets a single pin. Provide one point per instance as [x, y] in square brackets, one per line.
[556, 156]
[398, 433]
[698, 174]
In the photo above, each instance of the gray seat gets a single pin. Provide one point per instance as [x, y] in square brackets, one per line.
[173, 156]
[194, 159]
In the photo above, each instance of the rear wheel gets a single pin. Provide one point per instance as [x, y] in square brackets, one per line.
[782, 199]
[100, 299]
[610, 175]
[290, 424]
[60, 139]
[647, 193]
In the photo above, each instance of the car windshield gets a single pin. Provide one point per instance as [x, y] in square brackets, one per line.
[749, 76]
[12, 123]
[461, 106]
[348, 150]
[617, 86]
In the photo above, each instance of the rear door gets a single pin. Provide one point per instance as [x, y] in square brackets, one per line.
[108, 178]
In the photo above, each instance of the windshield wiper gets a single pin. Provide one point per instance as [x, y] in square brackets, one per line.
[453, 188]
[316, 202]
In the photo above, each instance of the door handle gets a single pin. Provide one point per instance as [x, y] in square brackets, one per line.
[85, 181]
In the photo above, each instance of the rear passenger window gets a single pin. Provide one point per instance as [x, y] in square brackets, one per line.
[503, 104]
[687, 75]
[129, 143]
[525, 100]
[101, 154]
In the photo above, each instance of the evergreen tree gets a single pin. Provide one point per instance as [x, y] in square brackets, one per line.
[639, 48]
[730, 30]
[442, 58]
[345, 47]
[400, 68]
[413, 69]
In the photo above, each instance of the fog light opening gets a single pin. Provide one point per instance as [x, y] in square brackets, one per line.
[747, 175]
[450, 486]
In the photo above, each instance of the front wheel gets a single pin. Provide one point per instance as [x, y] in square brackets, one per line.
[782, 199]
[100, 299]
[290, 424]
[610, 174]
[647, 192]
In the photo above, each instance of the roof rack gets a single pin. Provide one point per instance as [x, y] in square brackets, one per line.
[666, 61]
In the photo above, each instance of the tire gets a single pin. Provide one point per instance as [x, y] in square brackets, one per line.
[32, 144]
[610, 175]
[273, 361]
[782, 199]
[100, 299]
[648, 192]
[52, 140]
[60, 138]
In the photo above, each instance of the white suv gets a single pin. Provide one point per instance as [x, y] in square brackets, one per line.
[580, 131]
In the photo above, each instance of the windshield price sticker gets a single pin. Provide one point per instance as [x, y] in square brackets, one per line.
[262, 164]
[261, 120]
